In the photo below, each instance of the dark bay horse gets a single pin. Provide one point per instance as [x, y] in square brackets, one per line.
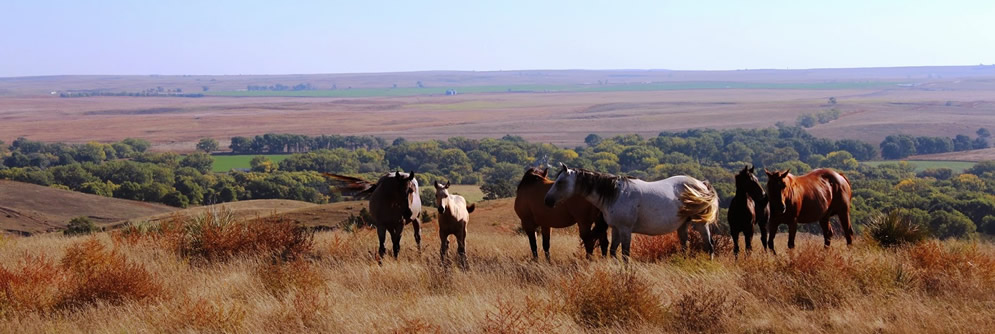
[813, 197]
[576, 210]
[394, 202]
[747, 208]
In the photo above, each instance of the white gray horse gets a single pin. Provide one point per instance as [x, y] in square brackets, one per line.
[636, 206]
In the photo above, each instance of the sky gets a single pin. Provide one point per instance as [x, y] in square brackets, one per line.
[58, 37]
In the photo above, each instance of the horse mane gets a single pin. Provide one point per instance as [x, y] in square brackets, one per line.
[603, 184]
[532, 176]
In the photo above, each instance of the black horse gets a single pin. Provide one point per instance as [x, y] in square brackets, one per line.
[748, 208]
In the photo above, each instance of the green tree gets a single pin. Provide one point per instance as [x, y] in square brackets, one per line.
[262, 164]
[207, 145]
[200, 161]
[80, 226]
[945, 224]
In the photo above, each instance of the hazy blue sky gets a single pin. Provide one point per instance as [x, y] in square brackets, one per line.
[272, 37]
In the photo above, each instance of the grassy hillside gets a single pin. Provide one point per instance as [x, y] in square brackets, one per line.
[29, 208]
[156, 283]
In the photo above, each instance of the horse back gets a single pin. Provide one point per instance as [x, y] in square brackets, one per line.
[820, 192]
[530, 207]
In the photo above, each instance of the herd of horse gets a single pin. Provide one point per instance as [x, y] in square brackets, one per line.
[597, 201]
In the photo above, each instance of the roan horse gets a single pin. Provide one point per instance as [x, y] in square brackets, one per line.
[636, 206]
[454, 214]
[747, 208]
[575, 210]
[394, 202]
[813, 197]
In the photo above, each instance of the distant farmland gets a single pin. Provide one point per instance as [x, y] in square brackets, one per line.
[628, 87]
[224, 163]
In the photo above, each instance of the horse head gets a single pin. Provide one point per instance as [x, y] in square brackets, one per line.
[748, 182]
[777, 183]
[441, 194]
[406, 190]
[563, 187]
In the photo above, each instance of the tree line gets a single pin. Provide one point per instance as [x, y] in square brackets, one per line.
[901, 146]
[948, 203]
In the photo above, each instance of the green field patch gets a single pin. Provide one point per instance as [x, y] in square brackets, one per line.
[471, 193]
[224, 163]
[921, 165]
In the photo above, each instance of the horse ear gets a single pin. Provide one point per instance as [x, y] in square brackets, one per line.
[411, 175]
[768, 172]
[545, 172]
[786, 171]
[447, 184]
[563, 166]
[435, 183]
[751, 169]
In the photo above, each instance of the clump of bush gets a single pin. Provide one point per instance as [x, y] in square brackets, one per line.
[88, 273]
[219, 236]
[610, 299]
[80, 226]
[894, 229]
[701, 311]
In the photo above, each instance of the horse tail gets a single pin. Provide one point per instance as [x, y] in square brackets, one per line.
[848, 183]
[700, 203]
[357, 186]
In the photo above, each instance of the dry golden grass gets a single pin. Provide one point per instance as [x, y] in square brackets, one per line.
[100, 284]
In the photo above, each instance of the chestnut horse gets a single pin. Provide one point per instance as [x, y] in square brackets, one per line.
[454, 214]
[747, 208]
[813, 197]
[576, 210]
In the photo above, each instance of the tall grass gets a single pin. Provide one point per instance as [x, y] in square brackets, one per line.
[206, 275]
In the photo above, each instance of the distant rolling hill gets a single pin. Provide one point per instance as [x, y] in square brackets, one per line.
[28, 209]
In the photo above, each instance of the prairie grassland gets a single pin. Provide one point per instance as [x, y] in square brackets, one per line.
[211, 275]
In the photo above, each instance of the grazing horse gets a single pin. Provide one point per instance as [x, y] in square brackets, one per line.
[636, 206]
[454, 214]
[575, 210]
[394, 202]
[747, 208]
[813, 197]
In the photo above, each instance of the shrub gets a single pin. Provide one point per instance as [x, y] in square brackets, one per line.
[279, 277]
[32, 286]
[606, 298]
[701, 311]
[80, 226]
[535, 317]
[98, 274]
[894, 229]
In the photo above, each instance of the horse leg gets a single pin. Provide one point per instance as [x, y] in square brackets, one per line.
[762, 226]
[461, 248]
[600, 231]
[771, 232]
[748, 238]
[545, 241]
[382, 234]
[626, 241]
[587, 237]
[734, 232]
[395, 238]
[792, 228]
[847, 228]
[706, 236]
[416, 225]
[827, 230]
[530, 231]
[682, 233]
[615, 240]
[443, 247]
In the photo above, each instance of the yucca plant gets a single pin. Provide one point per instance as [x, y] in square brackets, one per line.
[895, 229]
